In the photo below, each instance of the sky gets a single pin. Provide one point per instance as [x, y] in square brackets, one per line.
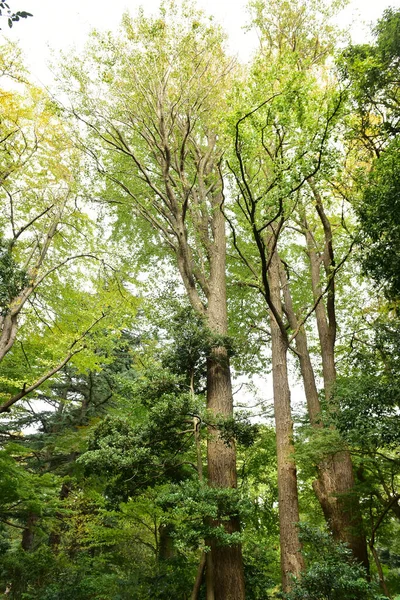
[61, 24]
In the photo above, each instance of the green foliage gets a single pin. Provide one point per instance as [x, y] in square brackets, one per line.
[238, 428]
[194, 507]
[12, 278]
[104, 476]
[368, 396]
[331, 573]
[372, 72]
[12, 17]
[379, 214]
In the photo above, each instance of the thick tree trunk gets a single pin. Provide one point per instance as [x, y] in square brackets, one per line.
[335, 491]
[221, 460]
[221, 457]
[292, 563]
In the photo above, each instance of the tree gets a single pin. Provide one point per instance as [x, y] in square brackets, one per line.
[47, 243]
[367, 393]
[156, 135]
[281, 146]
[372, 73]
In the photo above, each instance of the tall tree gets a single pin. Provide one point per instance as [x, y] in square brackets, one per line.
[372, 72]
[153, 109]
[281, 145]
[48, 243]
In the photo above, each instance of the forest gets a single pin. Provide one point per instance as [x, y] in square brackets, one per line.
[200, 312]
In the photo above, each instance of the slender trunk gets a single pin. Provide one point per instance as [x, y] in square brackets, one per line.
[199, 576]
[382, 581]
[221, 457]
[335, 485]
[210, 595]
[306, 368]
[206, 564]
[292, 563]
[9, 323]
[8, 334]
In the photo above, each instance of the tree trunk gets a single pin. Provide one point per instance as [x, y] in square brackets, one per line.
[292, 563]
[209, 577]
[199, 576]
[382, 581]
[28, 534]
[221, 457]
[335, 485]
[221, 460]
[166, 549]
[335, 475]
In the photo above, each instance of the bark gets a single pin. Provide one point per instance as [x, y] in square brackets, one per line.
[306, 367]
[292, 563]
[28, 535]
[382, 581]
[335, 491]
[335, 484]
[166, 549]
[210, 595]
[199, 576]
[221, 457]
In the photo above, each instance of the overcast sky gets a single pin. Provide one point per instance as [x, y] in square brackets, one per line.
[60, 24]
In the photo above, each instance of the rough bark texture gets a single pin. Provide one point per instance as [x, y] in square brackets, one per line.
[227, 560]
[209, 577]
[291, 558]
[221, 457]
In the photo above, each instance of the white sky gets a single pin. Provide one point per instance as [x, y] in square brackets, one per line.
[60, 24]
